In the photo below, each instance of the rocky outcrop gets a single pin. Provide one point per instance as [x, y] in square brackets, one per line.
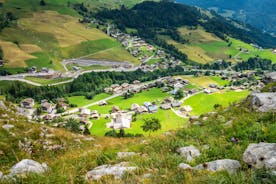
[126, 154]
[261, 155]
[264, 102]
[117, 170]
[189, 152]
[1, 175]
[27, 166]
[229, 165]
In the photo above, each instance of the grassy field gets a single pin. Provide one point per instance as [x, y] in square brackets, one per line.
[205, 47]
[205, 81]
[154, 94]
[117, 53]
[44, 38]
[46, 81]
[168, 120]
[82, 101]
[203, 103]
[14, 55]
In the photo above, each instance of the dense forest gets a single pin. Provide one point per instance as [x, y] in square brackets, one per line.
[153, 18]
[88, 84]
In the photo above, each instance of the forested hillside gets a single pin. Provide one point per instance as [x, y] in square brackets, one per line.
[259, 13]
[151, 18]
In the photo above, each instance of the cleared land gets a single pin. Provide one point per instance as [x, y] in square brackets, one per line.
[14, 55]
[203, 103]
[205, 81]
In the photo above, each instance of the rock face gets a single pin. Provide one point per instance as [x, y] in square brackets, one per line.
[189, 152]
[264, 101]
[261, 155]
[219, 165]
[28, 166]
[1, 175]
[117, 170]
[125, 154]
[8, 127]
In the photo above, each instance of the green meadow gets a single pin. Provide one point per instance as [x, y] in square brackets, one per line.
[82, 101]
[203, 103]
[168, 120]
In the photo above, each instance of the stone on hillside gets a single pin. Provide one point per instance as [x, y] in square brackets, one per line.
[1, 175]
[117, 170]
[8, 127]
[184, 166]
[261, 155]
[264, 101]
[189, 152]
[228, 123]
[125, 154]
[27, 166]
[2, 105]
[231, 166]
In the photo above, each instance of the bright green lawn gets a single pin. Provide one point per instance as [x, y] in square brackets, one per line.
[168, 120]
[203, 103]
[82, 101]
[154, 94]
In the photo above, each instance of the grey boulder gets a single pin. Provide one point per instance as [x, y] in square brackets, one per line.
[189, 152]
[261, 155]
[117, 170]
[231, 166]
[27, 166]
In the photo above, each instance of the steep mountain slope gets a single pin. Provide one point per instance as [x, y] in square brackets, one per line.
[151, 17]
[259, 13]
[43, 36]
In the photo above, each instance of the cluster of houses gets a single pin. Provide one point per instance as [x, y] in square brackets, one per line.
[48, 110]
[144, 51]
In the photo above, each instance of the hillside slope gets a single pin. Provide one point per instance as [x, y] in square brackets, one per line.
[43, 36]
[260, 14]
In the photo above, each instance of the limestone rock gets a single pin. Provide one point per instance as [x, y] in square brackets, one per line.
[264, 101]
[219, 165]
[184, 166]
[117, 170]
[261, 155]
[27, 166]
[189, 152]
[8, 127]
[125, 154]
